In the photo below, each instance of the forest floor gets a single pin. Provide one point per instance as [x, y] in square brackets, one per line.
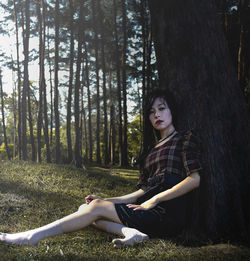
[34, 194]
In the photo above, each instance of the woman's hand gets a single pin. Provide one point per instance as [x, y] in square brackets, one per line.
[144, 206]
[89, 198]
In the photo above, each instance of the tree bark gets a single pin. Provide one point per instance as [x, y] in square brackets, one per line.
[32, 139]
[89, 105]
[69, 101]
[124, 85]
[41, 82]
[102, 30]
[3, 118]
[118, 78]
[78, 159]
[45, 110]
[19, 127]
[56, 91]
[96, 46]
[71, 71]
[194, 63]
[26, 77]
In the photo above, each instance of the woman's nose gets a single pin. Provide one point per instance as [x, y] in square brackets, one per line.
[156, 114]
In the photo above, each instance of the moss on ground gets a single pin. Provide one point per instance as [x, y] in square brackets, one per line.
[34, 194]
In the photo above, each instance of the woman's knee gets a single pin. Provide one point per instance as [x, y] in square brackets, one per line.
[82, 207]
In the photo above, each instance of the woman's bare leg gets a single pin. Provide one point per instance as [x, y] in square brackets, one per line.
[97, 209]
[131, 235]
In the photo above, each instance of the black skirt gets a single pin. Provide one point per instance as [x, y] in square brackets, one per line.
[167, 218]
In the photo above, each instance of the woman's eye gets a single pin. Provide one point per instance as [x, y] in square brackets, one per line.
[162, 108]
[151, 111]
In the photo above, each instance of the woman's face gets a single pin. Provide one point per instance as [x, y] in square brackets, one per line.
[160, 115]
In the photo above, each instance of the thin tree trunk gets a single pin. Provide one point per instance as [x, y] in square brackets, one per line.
[69, 101]
[78, 159]
[102, 30]
[84, 138]
[118, 76]
[3, 118]
[112, 125]
[14, 111]
[124, 85]
[26, 77]
[19, 127]
[41, 82]
[143, 60]
[32, 140]
[45, 110]
[51, 92]
[56, 91]
[89, 105]
[96, 47]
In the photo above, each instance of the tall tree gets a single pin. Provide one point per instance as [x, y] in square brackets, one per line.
[194, 63]
[31, 124]
[3, 117]
[112, 132]
[56, 91]
[71, 71]
[26, 33]
[41, 81]
[102, 32]
[78, 159]
[96, 48]
[19, 127]
[124, 85]
[118, 78]
[45, 109]
[89, 103]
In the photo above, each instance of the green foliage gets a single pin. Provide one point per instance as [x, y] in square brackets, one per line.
[3, 153]
[134, 138]
[33, 194]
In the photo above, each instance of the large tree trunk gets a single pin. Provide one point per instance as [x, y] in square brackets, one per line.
[194, 63]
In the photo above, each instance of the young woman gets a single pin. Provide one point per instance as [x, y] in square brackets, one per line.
[169, 170]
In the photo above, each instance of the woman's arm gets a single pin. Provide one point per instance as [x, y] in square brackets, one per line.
[189, 183]
[129, 198]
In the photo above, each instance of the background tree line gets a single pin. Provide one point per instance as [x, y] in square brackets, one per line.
[95, 58]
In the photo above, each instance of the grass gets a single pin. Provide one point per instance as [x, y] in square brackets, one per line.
[33, 194]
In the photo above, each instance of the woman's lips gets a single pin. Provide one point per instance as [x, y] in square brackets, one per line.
[158, 122]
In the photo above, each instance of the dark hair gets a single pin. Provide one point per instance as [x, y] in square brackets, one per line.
[149, 132]
[166, 96]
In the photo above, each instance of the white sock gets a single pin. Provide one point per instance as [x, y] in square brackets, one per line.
[132, 237]
[32, 237]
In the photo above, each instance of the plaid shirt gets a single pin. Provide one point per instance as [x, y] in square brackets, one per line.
[179, 155]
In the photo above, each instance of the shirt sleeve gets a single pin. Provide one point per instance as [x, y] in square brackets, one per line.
[191, 153]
